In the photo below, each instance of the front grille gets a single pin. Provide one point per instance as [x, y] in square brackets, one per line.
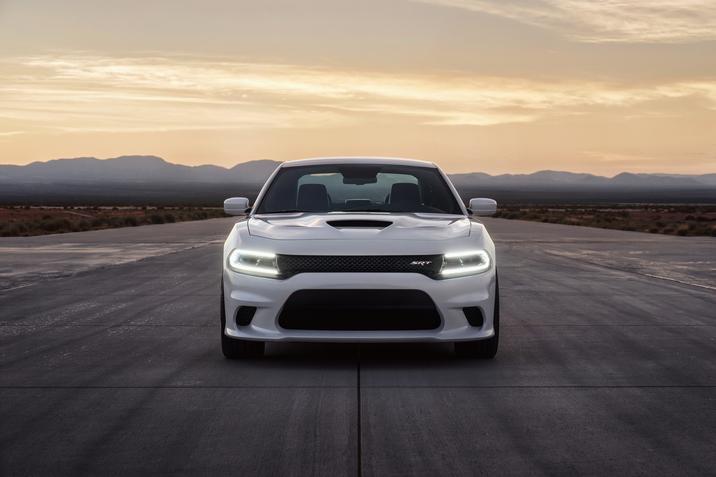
[359, 310]
[290, 265]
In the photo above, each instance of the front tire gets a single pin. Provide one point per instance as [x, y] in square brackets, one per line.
[487, 348]
[234, 348]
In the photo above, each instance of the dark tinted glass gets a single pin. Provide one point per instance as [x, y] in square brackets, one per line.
[359, 188]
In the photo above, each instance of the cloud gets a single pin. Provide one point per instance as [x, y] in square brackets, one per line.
[70, 93]
[597, 21]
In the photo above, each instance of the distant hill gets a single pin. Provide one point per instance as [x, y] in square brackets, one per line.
[141, 180]
[133, 169]
[153, 169]
[572, 179]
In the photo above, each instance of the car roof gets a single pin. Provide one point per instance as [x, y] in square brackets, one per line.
[357, 160]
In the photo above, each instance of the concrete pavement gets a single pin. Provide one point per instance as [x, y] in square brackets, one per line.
[607, 365]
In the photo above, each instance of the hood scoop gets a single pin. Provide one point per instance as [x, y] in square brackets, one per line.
[358, 224]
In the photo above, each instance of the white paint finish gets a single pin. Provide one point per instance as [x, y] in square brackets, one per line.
[310, 234]
[236, 205]
[483, 207]
[449, 295]
[397, 161]
[312, 226]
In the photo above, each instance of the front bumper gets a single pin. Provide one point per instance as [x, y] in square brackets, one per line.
[269, 295]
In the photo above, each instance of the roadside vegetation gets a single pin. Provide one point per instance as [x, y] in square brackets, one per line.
[687, 220]
[18, 221]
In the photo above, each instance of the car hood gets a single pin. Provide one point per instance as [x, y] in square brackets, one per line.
[354, 226]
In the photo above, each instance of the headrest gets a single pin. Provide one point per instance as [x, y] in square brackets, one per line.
[313, 198]
[405, 194]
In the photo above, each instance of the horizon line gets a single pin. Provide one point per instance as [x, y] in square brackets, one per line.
[356, 157]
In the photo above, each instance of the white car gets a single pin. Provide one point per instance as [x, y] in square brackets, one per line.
[359, 250]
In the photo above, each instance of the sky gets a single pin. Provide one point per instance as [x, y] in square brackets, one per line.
[505, 86]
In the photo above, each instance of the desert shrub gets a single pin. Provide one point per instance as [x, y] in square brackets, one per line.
[169, 218]
[156, 219]
[54, 225]
[13, 229]
[131, 221]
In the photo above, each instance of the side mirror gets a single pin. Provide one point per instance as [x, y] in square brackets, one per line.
[236, 206]
[482, 207]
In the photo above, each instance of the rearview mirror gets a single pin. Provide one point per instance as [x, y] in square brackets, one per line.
[236, 206]
[359, 174]
[483, 207]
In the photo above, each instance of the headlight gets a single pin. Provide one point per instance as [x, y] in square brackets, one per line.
[459, 264]
[251, 262]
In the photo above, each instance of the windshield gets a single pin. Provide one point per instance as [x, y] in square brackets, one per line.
[359, 188]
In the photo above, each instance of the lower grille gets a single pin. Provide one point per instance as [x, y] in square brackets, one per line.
[425, 264]
[359, 310]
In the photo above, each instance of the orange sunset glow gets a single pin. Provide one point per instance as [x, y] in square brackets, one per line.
[509, 86]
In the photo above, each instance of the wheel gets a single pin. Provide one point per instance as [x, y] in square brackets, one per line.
[483, 349]
[235, 348]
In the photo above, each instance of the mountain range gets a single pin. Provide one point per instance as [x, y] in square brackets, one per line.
[133, 169]
[153, 169]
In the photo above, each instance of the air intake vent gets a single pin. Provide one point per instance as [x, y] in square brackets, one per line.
[244, 315]
[474, 316]
[358, 224]
[359, 310]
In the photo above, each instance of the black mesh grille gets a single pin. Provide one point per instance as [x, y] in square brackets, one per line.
[290, 265]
